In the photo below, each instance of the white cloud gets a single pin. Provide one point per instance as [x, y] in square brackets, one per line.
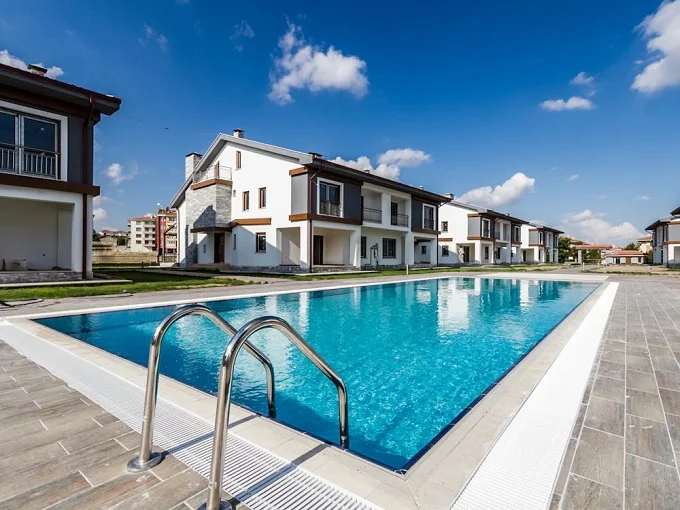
[573, 177]
[573, 103]
[303, 66]
[510, 192]
[643, 198]
[592, 226]
[582, 78]
[390, 162]
[151, 34]
[10, 60]
[662, 31]
[117, 175]
[241, 31]
[98, 211]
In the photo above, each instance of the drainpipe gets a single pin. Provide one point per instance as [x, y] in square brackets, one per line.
[310, 240]
[87, 178]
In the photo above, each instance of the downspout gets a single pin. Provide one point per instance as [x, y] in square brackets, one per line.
[310, 235]
[87, 178]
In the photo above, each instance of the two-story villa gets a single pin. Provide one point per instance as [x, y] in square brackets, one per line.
[46, 177]
[250, 204]
[539, 244]
[666, 239]
[475, 235]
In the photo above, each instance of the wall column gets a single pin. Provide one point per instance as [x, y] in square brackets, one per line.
[355, 248]
[409, 249]
[304, 245]
[433, 252]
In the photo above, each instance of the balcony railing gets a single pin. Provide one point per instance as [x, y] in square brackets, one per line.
[330, 209]
[26, 161]
[428, 224]
[400, 220]
[372, 215]
[486, 233]
[215, 171]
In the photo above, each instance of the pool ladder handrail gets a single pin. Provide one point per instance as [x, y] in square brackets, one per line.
[224, 397]
[146, 458]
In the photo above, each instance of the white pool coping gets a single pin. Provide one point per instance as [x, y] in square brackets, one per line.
[433, 482]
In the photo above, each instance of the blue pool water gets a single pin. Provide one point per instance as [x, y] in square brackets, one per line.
[414, 356]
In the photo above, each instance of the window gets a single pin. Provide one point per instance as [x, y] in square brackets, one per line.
[28, 145]
[139, 241]
[423, 249]
[486, 253]
[329, 199]
[486, 228]
[363, 247]
[263, 197]
[205, 249]
[518, 233]
[389, 248]
[260, 242]
[498, 253]
[234, 242]
[445, 226]
[540, 238]
[238, 160]
[445, 250]
[428, 217]
[246, 200]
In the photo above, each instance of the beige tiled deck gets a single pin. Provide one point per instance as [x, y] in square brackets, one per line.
[625, 446]
[60, 450]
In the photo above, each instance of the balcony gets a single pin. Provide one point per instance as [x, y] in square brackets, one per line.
[330, 209]
[215, 171]
[26, 161]
[428, 223]
[401, 220]
[372, 215]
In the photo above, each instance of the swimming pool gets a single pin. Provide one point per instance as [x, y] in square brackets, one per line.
[415, 356]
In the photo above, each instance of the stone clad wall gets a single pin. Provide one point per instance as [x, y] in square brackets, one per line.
[206, 207]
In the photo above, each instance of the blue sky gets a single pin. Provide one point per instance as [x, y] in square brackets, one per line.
[453, 97]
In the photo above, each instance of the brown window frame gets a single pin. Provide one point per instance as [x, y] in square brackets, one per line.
[238, 160]
[260, 236]
[262, 197]
[245, 200]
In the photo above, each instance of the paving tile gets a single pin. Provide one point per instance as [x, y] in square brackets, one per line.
[646, 405]
[613, 370]
[599, 457]
[613, 356]
[32, 427]
[615, 345]
[660, 350]
[110, 493]
[665, 363]
[650, 485]
[671, 401]
[673, 423]
[105, 419]
[83, 411]
[43, 436]
[583, 494]
[108, 469]
[639, 363]
[38, 414]
[612, 389]
[579, 421]
[169, 467]
[30, 457]
[93, 436]
[12, 395]
[668, 380]
[48, 494]
[167, 494]
[649, 439]
[641, 381]
[130, 441]
[637, 350]
[605, 415]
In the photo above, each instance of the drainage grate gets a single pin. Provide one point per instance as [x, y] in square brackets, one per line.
[253, 475]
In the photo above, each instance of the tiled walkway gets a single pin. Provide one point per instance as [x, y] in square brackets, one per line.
[60, 450]
[625, 445]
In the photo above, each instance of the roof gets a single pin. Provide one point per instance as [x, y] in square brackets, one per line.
[543, 227]
[485, 211]
[593, 247]
[660, 221]
[303, 159]
[644, 239]
[676, 212]
[49, 87]
[143, 218]
[625, 253]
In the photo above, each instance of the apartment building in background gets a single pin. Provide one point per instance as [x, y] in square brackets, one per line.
[142, 233]
[254, 205]
[166, 233]
[666, 239]
[46, 175]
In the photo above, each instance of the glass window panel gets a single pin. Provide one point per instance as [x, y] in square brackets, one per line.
[334, 194]
[7, 133]
[40, 135]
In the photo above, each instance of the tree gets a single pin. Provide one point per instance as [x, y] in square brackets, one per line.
[95, 236]
[122, 241]
[632, 246]
[565, 250]
[592, 256]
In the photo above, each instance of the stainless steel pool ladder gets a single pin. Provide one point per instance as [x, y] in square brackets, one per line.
[146, 458]
[224, 397]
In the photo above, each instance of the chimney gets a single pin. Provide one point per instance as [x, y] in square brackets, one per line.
[37, 69]
[238, 133]
[449, 195]
[191, 161]
[420, 187]
[316, 155]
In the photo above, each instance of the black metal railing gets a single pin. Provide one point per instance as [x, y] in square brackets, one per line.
[428, 224]
[330, 209]
[400, 220]
[372, 215]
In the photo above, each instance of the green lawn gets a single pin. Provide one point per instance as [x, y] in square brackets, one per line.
[141, 282]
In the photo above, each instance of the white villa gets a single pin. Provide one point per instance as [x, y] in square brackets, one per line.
[475, 235]
[666, 239]
[46, 177]
[247, 204]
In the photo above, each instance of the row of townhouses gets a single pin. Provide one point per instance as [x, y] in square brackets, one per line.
[666, 239]
[253, 205]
